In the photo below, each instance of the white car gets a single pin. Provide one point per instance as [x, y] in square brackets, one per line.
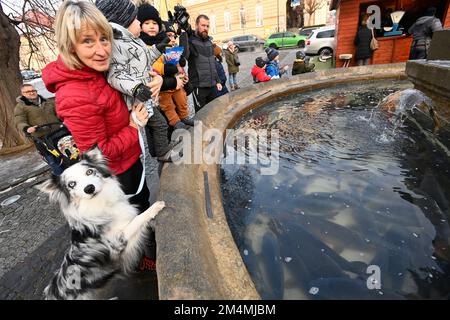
[321, 41]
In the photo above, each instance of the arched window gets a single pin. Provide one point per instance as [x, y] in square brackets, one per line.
[259, 15]
[212, 23]
[242, 20]
[227, 20]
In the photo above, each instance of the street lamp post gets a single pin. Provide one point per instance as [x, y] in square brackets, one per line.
[278, 15]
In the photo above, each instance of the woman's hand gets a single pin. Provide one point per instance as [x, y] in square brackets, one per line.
[155, 84]
[219, 87]
[140, 117]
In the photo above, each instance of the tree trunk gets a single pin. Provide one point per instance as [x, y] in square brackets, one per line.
[10, 81]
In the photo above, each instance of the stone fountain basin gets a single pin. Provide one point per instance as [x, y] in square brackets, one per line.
[196, 254]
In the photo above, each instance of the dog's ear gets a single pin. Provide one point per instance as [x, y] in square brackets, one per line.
[94, 155]
[55, 189]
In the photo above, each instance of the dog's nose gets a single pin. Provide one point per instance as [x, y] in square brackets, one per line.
[89, 189]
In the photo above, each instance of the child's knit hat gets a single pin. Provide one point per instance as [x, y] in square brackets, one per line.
[122, 12]
[271, 53]
[149, 12]
[260, 62]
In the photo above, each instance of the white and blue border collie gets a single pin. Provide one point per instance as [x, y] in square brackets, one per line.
[108, 235]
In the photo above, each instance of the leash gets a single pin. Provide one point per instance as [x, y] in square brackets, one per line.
[141, 183]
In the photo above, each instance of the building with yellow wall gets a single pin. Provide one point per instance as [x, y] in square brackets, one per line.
[163, 6]
[236, 17]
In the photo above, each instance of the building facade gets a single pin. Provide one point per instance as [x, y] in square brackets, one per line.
[236, 17]
[322, 14]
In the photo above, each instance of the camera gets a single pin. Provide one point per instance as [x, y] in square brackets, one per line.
[180, 17]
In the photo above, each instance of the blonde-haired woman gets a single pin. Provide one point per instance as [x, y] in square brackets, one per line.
[232, 59]
[94, 112]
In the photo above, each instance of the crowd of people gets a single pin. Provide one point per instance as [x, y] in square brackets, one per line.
[124, 75]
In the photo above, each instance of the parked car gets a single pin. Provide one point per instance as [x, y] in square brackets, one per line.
[285, 39]
[29, 74]
[321, 41]
[245, 42]
[306, 31]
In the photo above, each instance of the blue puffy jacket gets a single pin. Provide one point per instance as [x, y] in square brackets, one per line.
[272, 69]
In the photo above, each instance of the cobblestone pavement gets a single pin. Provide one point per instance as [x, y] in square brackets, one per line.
[34, 237]
[247, 59]
[33, 233]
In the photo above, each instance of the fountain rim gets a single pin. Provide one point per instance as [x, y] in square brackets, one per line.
[199, 259]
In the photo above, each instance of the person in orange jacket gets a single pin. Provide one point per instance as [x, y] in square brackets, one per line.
[172, 102]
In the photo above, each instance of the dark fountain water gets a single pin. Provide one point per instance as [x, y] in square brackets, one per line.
[359, 209]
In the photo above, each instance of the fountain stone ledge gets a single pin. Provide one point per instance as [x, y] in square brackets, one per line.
[197, 257]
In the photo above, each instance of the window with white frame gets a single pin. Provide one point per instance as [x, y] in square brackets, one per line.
[227, 20]
[259, 15]
[242, 20]
[212, 22]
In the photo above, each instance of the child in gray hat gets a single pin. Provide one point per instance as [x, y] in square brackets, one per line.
[130, 70]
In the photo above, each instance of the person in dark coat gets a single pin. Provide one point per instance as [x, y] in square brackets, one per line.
[32, 111]
[202, 64]
[301, 64]
[362, 43]
[220, 72]
[422, 31]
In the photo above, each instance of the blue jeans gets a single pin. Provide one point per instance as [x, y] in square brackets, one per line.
[232, 77]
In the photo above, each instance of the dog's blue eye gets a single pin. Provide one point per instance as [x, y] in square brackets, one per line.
[72, 184]
[89, 172]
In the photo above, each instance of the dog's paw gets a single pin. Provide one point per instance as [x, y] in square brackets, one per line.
[158, 206]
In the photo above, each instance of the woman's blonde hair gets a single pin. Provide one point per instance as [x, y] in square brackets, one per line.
[71, 16]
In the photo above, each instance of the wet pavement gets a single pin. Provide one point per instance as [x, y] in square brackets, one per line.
[33, 233]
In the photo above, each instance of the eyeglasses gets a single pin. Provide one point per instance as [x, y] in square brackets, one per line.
[30, 91]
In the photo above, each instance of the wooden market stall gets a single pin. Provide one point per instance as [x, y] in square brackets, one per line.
[392, 48]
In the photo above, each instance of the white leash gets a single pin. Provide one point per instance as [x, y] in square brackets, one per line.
[141, 143]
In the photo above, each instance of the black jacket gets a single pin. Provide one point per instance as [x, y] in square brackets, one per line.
[362, 42]
[202, 64]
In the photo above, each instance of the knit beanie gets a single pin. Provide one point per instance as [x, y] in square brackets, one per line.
[260, 62]
[122, 12]
[271, 53]
[168, 27]
[149, 12]
[300, 55]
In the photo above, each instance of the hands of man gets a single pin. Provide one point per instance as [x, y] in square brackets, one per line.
[31, 129]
